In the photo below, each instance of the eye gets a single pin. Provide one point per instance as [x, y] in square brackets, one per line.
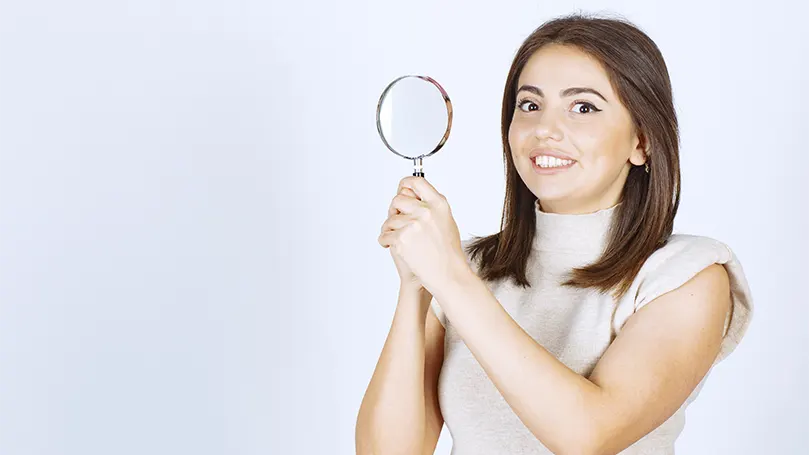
[586, 107]
[526, 101]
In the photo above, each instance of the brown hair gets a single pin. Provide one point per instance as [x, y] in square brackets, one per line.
[644, 220]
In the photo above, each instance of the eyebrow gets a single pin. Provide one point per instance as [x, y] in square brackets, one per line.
[566, 92]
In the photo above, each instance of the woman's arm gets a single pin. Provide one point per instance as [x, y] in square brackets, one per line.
[649, 370]
[392, 418]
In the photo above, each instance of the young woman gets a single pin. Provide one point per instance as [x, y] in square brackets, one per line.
[584, 326]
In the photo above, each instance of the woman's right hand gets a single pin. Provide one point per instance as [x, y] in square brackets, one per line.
[406, 276]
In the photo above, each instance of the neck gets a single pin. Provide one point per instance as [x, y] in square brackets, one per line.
[569, 207]
[580, 233]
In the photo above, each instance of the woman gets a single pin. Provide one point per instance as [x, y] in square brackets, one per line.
[584, 326]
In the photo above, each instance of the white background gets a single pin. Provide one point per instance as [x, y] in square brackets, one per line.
[191, 193]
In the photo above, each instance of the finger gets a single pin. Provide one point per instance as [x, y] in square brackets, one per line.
[395, 222]
[407, 205]
[386, 239]
[405, 191]
[424, 190]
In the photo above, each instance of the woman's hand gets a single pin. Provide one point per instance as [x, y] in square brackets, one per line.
[406, 276]
[424, 240]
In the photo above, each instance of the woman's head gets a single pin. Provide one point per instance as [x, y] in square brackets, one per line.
[565, 106]
[595, 90]
[610, 141]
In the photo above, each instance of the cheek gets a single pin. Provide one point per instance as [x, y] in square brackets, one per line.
[587, 135]
[518, 132]
[597, 143]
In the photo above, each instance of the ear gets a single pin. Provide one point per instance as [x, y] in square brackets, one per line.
[640, 154]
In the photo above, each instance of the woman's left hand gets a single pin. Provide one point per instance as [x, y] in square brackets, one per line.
[424, 233]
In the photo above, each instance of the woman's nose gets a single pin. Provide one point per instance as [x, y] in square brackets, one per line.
[547, 126]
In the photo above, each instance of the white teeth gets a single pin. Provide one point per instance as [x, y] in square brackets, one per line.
[551, 161]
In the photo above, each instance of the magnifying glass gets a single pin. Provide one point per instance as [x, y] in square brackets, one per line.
[413, 117]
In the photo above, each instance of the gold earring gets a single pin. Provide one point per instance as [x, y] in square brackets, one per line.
[647, 167]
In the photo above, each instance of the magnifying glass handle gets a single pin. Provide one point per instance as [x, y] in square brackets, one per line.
[417, 171]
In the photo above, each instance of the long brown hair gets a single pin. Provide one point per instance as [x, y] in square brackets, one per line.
[644, 220]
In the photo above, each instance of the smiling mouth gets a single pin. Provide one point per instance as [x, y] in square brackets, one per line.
[544, 164]
[547, 162]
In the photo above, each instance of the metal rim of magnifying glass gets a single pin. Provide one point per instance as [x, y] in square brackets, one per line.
[446, 101]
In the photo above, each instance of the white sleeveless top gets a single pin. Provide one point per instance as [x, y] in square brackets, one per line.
[576, 326]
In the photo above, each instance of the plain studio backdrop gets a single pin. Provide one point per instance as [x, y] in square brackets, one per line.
[191, 194]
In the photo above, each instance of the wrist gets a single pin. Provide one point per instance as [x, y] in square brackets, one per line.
[456, 277]
[417, 291]
[414, 298]
[411, 287]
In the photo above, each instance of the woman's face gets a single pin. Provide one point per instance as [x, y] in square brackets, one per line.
[553, 115]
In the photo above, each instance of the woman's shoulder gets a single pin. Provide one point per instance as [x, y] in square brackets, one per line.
[680, 259]
[688, 247]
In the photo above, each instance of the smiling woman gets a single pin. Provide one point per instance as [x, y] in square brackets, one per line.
[594, 91]
[584, 326]
[616, 321]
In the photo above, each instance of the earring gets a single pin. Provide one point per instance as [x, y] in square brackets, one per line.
[646, 164]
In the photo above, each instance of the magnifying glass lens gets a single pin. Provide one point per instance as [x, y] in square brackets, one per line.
[414, 116]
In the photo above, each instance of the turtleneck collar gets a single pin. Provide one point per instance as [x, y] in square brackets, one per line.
[585, 234]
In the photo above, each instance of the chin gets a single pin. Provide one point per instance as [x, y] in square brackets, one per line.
[552, 200]
[551, 191]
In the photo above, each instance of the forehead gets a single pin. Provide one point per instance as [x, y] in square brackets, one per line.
[556, 66]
